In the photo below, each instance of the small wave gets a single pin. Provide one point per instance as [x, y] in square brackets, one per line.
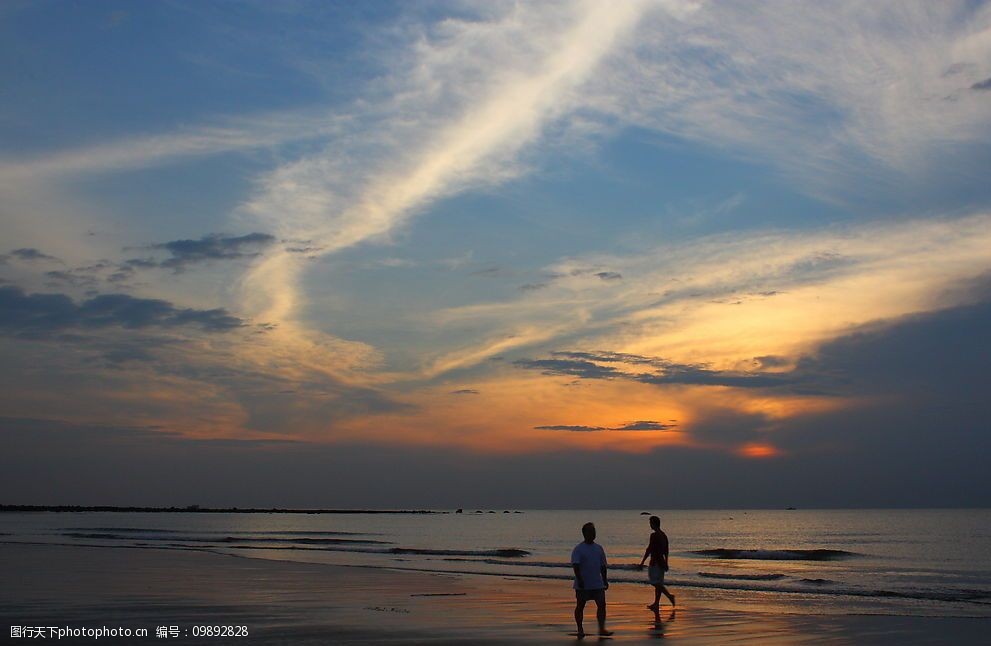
[230, 539]
[143, 530]
[742, 577]
[817, 581]
[969, 596]
[511, 552]
[777, 555]
[154, 530]
[486, 561]
[355, 546]
[627, 567]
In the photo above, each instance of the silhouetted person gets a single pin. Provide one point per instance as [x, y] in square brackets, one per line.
[589, 561]
[657, 550]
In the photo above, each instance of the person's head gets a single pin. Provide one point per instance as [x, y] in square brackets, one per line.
[655, 522]
[588, 531]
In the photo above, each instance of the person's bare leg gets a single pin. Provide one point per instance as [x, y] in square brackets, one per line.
[670, 596]
[579, 612]
[600, 614]
[657, 599]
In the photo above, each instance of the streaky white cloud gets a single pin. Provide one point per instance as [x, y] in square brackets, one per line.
[466, 103]
[226, 134]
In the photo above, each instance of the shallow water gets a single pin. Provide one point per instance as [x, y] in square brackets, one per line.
[911, 562]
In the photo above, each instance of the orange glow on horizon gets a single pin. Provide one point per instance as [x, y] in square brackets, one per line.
[759, 450]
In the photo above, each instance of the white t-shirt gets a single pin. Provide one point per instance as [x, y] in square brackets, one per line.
[590, 559]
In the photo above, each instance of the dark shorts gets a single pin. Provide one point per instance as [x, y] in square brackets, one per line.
[655, 575]
[598, 596]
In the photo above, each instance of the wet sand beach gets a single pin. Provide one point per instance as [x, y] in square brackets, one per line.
[301, 603]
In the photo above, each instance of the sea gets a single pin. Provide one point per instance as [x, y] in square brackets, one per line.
[884, 561]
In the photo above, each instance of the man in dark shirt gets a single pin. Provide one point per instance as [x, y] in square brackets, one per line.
[657, 550]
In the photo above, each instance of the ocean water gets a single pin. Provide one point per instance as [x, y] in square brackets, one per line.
[905, 562]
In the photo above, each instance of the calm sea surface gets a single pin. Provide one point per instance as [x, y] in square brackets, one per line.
[910, 562]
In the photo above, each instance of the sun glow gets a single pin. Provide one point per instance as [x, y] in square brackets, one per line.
[759, 450]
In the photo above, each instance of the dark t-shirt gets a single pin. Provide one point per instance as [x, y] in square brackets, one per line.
[658, 548]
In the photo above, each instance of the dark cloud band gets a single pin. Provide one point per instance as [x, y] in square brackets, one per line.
[35, 315]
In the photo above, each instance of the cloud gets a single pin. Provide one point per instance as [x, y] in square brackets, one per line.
[70, 278]
[210, 247]
[121, 355]
[27, 254]
[787, 84]
[465, 391]
[942, 354]
[645, 425]
[611, 357]
[184, 369]
[32, 315]
[466, 100]
[794, 287]
[770, 361]
[574, 429]
[701, 376]
[587, 366]
[182, 254]
[642, 425]
[982, 86]
[222, 135]
[488, 271]
[126, 270]
[569, 367]
[891, 354]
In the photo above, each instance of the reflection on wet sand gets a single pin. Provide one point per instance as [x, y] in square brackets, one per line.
[656, 629]
[300, 603]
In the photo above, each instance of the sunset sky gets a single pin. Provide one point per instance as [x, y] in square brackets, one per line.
[444, 254]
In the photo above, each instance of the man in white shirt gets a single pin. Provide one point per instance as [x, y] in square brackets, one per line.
[589, 561]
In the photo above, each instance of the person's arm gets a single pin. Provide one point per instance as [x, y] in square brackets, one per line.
[576, 561]
[605, 580]
[664, 552]
[650, 549]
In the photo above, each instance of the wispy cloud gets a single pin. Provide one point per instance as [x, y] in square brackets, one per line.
[982, 86]
[827, 94]
[663, 372]
[824, 92]
[819, 91]
[214, 247]
[27, 254]
[737, 297]
[640, 425]
[471, 97]
[237, 133]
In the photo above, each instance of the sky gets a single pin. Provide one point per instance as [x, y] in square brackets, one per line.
[583, 254]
